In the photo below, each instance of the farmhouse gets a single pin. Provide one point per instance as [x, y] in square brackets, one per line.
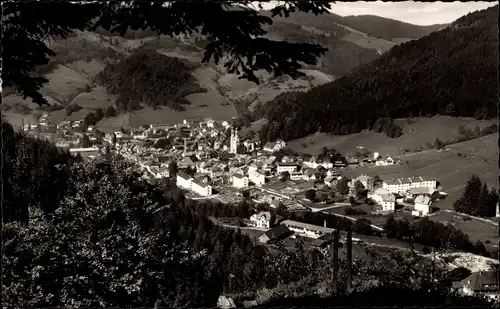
[385, 162]
[479, 283]
[277, 233]
[384, 198]
[422, 206]
[239, 181]
[256, 177]
[273, 147]
[262, 219]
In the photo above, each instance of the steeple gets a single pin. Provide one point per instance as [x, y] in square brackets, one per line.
[498, 211]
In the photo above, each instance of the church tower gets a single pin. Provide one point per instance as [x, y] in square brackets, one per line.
[498, 211]
[234, 141]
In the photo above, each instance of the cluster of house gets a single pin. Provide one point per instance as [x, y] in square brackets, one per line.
[419, 189]
[197, 147]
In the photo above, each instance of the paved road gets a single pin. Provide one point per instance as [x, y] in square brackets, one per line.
[472, 217]
[336, 205]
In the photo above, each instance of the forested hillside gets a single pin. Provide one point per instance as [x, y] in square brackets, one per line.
[374, 26]
[150, 78]
[342, 56]
[450, 72]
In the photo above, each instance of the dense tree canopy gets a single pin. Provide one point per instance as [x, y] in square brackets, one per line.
[241, 48]
[157, 80]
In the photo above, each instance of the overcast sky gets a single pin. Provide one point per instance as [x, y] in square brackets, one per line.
[418, 13]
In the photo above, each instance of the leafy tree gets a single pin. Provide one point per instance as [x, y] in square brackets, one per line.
[352, 200]
[85, 142]
[25, 49]
[342, 187]
[310, 194]
[363, 226]
[285, 176]
[359, 189]
[438, 144]
[110, 112]
[172, 168]
[468, 202]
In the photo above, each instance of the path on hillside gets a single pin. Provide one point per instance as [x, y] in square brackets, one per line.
[472, 217]
[336, 205]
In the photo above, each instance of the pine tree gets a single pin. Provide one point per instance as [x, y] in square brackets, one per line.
[470, 196]
[493, 200]
[483, 202]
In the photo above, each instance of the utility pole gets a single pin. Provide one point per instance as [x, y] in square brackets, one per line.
[335, 256]
[349, 261]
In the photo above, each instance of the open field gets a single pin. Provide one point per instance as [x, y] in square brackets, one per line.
[476, 229]
[415, 135]
[451, 168]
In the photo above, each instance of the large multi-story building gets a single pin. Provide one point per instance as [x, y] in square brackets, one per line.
[199, 187]
[402, 185]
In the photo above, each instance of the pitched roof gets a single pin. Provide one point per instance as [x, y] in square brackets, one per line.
[308, 226]
[477, 281]
[265, 214]
[277, 232]
[423, 199]
[239, 176]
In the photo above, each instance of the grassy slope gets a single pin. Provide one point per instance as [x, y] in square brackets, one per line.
[478, 157]
[415, 135]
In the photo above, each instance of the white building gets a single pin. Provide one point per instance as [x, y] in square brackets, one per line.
[234, 141]
[286, 167]
[183, 180]
[273, 147]
[402, 185]
[239, 181]
[385, 162]
[187, 182]
[367, 181]
[384, 198]
[201, 188]
[262, 219]
[85, 152]
[422, 206]
[388, 202]
[256, 177]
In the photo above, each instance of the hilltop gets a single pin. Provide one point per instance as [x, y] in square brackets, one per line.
[88, 65]
[449, 72]
[156, 80]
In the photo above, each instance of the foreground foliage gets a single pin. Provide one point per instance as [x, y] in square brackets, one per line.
[27, 25]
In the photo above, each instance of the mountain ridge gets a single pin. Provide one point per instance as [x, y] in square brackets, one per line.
[434, 65]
